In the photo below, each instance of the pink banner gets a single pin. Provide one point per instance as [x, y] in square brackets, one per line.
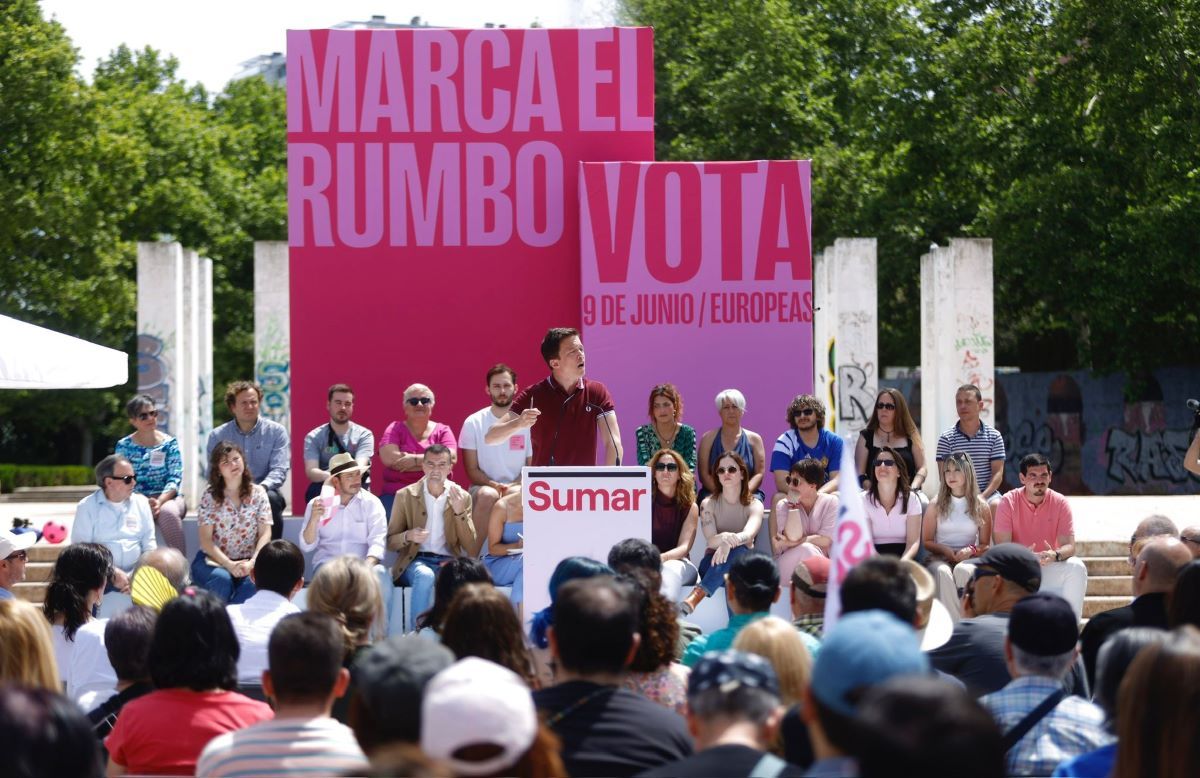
[432, 219]
[698, 274]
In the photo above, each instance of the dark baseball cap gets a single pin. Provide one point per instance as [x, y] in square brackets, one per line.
[1043, 624]
[728, 670]
[1014, 563]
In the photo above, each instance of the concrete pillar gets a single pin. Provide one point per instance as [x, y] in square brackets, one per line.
[189, 373]
[846, 332]
[957, 335]
[204, 383]
[272, 334]
[160, 331]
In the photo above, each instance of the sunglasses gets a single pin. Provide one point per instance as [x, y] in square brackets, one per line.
[147, 415]
[969, 589]
[885, 463]
[807, 411]
[22, 555]
[125, 479]
[885, 406]
[415, 401]
[730, 469]
[793, 481]
[670, 467]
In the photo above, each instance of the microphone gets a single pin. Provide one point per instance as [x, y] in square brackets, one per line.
[558, 425]
[607, 428]
[1193, 405]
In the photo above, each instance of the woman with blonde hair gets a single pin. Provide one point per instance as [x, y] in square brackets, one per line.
[780, 644]
[891, 425]
[674, 518]
[347, 589]
[957, 528]
[28, 655]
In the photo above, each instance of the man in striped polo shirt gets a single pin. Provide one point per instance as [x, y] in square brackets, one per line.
[982, 441]
[305, 676]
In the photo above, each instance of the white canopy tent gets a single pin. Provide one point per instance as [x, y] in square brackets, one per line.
[33, 357]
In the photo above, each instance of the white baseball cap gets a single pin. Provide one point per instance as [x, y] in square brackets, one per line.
[477, 702]
[12, 541]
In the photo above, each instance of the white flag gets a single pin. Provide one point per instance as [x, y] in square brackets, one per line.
[852, 541]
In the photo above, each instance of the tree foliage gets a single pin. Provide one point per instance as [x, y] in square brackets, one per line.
[1066, 130]
[89, 169]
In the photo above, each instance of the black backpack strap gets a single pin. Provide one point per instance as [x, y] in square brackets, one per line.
[1014, 735]
[334, 441]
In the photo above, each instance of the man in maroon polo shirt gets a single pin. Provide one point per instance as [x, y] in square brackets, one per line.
[565, 412]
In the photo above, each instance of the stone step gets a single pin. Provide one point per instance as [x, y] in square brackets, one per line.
[1093, 605]
[1094, 548]
[45, 552]
[1107, 565]
[1110, 585]
[31, 592]
[36, 572]
[65, 494]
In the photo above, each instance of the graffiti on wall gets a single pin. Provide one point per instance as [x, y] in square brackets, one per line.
[154, 376]
[1144, 457]
[974, 347]
[274, 376]
[203, 422]
[855, 395]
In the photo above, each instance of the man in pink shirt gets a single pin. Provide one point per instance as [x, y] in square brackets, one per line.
[1039, 518]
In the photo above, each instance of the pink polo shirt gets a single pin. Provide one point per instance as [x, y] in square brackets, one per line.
[1034, 525]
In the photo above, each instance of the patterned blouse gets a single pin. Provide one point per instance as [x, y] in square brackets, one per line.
[158, 468]
[235, 527]
[667, 686]
[684, 443]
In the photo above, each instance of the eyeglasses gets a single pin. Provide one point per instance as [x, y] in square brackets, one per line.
[792, 481]
[730, 469]
[125, 479]
[980, 572]
[415, 401]
[807, 411]
[22, 555]
[670, 467]
[147, 415]
[885, 406]
[1186, 539]
[885, 463]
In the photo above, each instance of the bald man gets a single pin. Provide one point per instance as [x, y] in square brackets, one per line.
[1191, 538]
[1154, 574]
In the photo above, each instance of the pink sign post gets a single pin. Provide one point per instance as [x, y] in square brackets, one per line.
[432, 216]
[698, 274]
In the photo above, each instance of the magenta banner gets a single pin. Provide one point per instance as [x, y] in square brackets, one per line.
[698, 274]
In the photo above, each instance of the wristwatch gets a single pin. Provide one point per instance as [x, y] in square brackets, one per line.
[1057, 556]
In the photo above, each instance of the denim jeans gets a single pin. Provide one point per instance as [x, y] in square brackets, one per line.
[218, 581]
[419, 577]
[712, 577]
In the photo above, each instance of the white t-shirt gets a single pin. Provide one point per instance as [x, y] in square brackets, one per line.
[83, 663]
[502, 461]
[253, 621]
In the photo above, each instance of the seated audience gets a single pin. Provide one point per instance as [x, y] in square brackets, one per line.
[801, 525]
[567, 570]
[391, 677]
[303, 678]
[27, 657]
[478, 718]
[1154, 574]
[127, 639]
[1183, 607]
[653, 672]
[76, 587]
[351, 521]
[731, 436]
[891, 507]
[810, 582]
[807, 437]
[1043, 724]
[1156, 709]
[1154, 525]
[404, 443]
[751, 587]
[116, 517]
[45, 734]
[780, 644]
[456, 573]
[158, 465]
[193, 665]
[1191, 537]
[861, 651]
[605, 729]
[339, 435]
[674, 516]
[14, 555]
[481, 622]
[891, 425]
[932, 621]
[733, 712]
[346, 589]
[636, 554]
[926, 726]
[171, 563]
[976, 437]
[730, 520]
[665, 430]
[1116, 655]
[235, 523]
[506, 545]
[957, 529]
[278, 575]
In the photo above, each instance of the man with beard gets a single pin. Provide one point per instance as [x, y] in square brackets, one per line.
[494, 469]
[339, 436]
[806, 437]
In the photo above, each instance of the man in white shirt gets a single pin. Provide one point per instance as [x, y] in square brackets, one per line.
[278, 574]
[350, 521]
[494, 469]
[117, 518]
[305, 677]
